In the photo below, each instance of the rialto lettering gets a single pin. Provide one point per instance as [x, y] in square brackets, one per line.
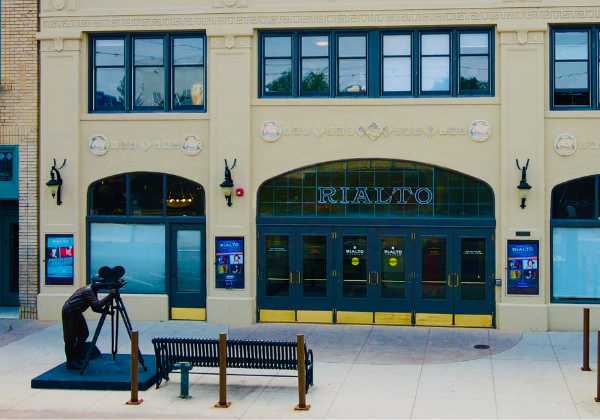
[376, 195]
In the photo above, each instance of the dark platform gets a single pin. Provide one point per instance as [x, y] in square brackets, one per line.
[102, 374]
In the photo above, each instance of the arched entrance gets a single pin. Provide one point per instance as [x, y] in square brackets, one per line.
[152, 224]
[376, 241]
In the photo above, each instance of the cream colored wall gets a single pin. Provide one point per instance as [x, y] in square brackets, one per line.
[432, 131]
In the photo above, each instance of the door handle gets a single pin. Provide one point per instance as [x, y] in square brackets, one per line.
[458, 279]
[300, 279]
[449, 279]
[291, 278]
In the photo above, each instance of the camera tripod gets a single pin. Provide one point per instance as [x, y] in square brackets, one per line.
[116, 309]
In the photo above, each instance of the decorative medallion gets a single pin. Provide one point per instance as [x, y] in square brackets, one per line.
[59, 4]
[271, 131]
[480, 131]
[374, 131]
[191, 146]
[98, 145]
[565, 144]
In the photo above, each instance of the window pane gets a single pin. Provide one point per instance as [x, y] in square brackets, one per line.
[149, 87]
[149, 52]
[110, 52]
[575, 199]
[278, 76]
[354, 274]
[474, 74]
[393, 275]
[108, 197]
[397, 74]
[314, 266]
[574, 276]
[184, 198]
[315, 75]
[435, 74]
[571, 75]
[140, 249]
[353, 76]
[188, 86]
[474, 43]
[146, 194]
[278, 46]
[433, 271]
[189, 260]
[435, 44]
[572, 98]
[188, 51]
[396, 45]
[352, 46]
[315, 46]
[277, 265]
[571, 46]
[6, 165]
[110, 88]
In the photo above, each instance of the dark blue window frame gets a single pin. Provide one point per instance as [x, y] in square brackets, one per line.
[593, 64]
[129, 66]
[375, 59]
[559, 222]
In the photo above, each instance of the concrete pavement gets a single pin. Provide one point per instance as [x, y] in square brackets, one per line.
[360, 372]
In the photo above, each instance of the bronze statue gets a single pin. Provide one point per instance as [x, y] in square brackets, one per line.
[75, 330]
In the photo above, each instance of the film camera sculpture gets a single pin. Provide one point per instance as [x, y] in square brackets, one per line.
[111, 279]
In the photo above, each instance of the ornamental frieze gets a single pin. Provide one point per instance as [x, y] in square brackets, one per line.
[466, 16]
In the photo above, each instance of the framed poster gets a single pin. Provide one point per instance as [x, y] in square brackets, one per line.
[229, 257]
[59, 259]
[523, 267]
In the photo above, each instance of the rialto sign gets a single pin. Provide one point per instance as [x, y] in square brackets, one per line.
[375, 195]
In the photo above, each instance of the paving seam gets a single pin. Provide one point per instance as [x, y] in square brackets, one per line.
[412, 409]
[562, 374]
[491, 360]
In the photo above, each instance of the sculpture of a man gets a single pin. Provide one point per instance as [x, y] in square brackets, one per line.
[75, 330]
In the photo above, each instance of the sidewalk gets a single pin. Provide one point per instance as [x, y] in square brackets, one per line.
[360, 372]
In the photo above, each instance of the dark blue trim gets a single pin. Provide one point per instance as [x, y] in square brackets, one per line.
[376, 221]
[374, 58]
[129, 67]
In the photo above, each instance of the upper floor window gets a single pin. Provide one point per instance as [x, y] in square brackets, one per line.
[7, 164]
[375, 63]
[147, 72]
[574, 68]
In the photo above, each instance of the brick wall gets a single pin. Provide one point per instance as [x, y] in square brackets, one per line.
[19, 126]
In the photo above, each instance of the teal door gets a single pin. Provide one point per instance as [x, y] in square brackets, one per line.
[9, 255]
[187, 272]
[355, 255]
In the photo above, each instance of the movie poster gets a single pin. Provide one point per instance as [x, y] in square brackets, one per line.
[59, 259]
[523, 268]
[229, 262]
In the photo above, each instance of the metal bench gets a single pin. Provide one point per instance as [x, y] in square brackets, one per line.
[241, 354]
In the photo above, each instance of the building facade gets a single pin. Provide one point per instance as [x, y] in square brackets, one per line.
[19, 115]
[280, 161]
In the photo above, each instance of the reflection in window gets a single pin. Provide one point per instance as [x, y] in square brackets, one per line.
[435, 63]
[146, 191]
[575, 199]
[474, 63]
[571, 63]
[139, 248]
[314, 266]
[109, 77]
[189, 260]
[352, 64]
[472, 269]
[149, 73]
[108, 197]
[315, 65]
[433, 271]
[278, 65]
[393, 276]
[188, 72]
[574, 274]
[397, 63]
[354, 272]
[278, 265]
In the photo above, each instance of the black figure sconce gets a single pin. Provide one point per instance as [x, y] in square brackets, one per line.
[523, 186]
[55, 182]
[227, 184]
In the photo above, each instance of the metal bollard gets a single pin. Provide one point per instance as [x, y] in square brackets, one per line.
[586, 340]
[184, 368]
[222, 372]
[598, 370]
[134, 370]
[302, 406]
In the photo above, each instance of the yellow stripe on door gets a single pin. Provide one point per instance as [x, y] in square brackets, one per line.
[276, 315]
[347, 317]
[189, 314]
[434, 320]
[393, 318]
[476, 321]
[315, 317]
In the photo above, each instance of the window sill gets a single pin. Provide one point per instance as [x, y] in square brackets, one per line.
[145, 116]
[382, 101]
[575, 114]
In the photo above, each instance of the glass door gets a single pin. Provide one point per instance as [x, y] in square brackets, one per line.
[394, 278]
[188, 272]
[473, 284]
[433, 286]
[9, 259]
